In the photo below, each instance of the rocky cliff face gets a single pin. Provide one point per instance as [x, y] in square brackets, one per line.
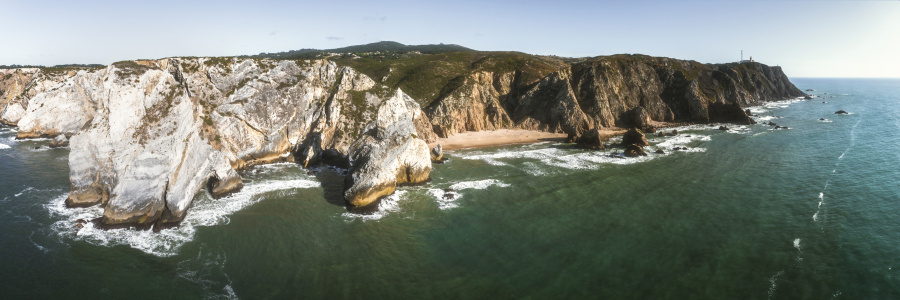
[18, 86]
[614, 91]
[147, 135]
[388, 153]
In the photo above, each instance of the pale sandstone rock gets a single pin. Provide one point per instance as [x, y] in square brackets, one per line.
[388, 153]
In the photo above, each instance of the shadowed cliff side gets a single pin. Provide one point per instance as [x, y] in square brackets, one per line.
[612, 91]
[146, 135]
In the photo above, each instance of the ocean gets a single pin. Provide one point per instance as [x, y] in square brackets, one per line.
[809, 212]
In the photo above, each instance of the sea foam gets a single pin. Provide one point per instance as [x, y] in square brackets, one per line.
[478, 184]
[205, 211]
[445, 199]
[386, 206]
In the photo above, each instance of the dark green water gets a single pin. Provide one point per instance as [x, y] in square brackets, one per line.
[752, 213]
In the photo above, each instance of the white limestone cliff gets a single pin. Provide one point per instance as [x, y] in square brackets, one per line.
[146, 136]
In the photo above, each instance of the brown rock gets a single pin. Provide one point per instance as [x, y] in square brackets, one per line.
[634, 137]
[591, 140]
[437, 153]
[634, 151]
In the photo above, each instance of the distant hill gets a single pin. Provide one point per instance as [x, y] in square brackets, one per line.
[386, 47]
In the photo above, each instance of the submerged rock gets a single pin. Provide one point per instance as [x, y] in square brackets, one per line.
[660, 151]
[723, 128]
[633, 150]
[841, 112]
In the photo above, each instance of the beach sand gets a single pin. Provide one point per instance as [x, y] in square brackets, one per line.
[474, 139]
[487, 138]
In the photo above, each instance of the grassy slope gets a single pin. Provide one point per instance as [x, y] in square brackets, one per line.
[427, 77]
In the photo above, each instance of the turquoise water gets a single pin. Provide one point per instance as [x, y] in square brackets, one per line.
[751, 213]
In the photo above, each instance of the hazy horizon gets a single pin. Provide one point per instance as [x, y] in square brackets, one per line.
[812, 39]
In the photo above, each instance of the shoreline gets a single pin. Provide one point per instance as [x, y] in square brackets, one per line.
[487, 138]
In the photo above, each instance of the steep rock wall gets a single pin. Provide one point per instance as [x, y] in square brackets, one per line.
[147, 135]
[614, 91]
[18, 86]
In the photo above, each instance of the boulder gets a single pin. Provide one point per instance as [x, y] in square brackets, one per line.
[673, 133]
[634, 137]
[723, 128]
[634, 150]
[660, 151]
[59, 141]
[591, 140]
[388, 154]
[437, 153]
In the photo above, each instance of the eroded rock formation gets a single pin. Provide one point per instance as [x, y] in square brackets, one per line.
[146, 135]
[611, 91]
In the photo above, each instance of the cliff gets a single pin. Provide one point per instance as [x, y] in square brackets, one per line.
[18, 86]
[147, 135]
[612, 91]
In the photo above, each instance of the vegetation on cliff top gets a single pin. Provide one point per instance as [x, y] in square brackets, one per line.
[383, 48]
[427, 77]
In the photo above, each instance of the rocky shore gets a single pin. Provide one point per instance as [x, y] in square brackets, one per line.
[147, 135]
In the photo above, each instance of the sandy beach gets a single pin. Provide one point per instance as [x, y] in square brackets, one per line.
[474, 139]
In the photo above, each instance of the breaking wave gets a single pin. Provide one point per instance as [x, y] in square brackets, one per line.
[205, 211]
[478, 184]
[387, 205]
[446, 199]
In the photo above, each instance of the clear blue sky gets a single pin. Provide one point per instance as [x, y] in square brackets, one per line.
[807, 38]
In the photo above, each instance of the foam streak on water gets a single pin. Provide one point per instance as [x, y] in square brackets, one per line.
[205, 211]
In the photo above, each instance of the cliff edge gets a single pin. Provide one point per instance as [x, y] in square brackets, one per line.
[147, 135]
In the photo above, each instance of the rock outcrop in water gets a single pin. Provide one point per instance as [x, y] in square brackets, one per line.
[146, 136]
[389, 153]
[591, 140]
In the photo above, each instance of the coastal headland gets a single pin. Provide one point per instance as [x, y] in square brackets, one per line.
[147, 135]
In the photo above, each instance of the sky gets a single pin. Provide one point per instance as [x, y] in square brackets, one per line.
[805, 38]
